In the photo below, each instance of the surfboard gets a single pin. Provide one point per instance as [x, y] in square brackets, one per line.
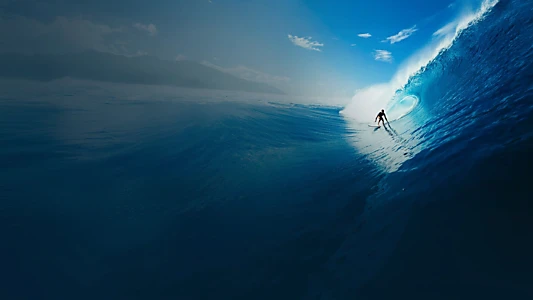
[374, 126]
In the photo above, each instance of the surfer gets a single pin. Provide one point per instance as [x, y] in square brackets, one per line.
[381, 115]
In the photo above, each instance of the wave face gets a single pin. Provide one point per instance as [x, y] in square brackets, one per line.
[465, 77]
[464, 140]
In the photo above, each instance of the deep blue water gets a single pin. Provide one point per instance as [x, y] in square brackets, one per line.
[117, 192]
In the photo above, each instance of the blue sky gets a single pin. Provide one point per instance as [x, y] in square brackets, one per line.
[302, 46]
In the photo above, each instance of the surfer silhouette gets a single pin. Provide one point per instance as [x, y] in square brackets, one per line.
[381, 115]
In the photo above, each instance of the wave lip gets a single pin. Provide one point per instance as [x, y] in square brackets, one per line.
[402, 107]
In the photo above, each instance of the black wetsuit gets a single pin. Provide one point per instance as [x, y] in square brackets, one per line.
[380, 116]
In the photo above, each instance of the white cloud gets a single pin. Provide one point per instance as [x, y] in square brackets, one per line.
[138, 53]
[249, 74]
[180, 57]
[305, 42]
[21, 34]
[353, 45]
[402, 35]
[383, 55]
[364, 35]
[25, 35]
[151, 29]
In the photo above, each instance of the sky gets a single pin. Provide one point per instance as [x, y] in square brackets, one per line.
[304, 47]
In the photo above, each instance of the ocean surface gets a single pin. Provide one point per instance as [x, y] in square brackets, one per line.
[136, 192]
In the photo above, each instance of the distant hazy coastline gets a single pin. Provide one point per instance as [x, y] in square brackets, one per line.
[107, 67]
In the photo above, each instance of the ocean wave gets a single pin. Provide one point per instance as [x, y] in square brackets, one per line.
[366, 102]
